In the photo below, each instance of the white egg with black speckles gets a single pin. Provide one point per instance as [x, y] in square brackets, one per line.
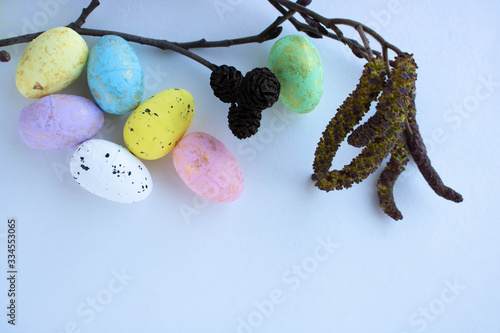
[110, 171]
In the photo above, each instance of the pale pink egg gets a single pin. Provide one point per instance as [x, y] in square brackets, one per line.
[208, 167]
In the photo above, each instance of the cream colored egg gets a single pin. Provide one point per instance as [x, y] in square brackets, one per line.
[51, 62]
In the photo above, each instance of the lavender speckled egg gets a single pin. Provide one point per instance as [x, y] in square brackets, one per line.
[208, 167]
[110, 171]
[59, 122]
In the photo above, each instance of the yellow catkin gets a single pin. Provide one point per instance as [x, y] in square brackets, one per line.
[396, 97]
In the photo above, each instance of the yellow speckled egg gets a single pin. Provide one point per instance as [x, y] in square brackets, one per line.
[155, 127]
[51, 62]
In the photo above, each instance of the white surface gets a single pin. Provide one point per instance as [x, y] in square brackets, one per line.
[438, 270]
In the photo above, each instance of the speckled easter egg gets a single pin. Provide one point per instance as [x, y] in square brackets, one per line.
[51, 62]
[110, 171]
[59, 121]
[115, 75]
[296, 63]
[208, 167]
[155, 127]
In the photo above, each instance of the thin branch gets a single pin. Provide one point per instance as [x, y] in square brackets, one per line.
[159, 43]
[85, 13]
[19, 39]
[367, 29]
[162, 44]
[353, 44]
[365, 40]
[299, 26]
[331, 23]
[76, 26]
[386, 60]
[269, 33]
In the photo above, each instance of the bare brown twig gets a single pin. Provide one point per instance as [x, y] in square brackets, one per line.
[357, 49]
[316, 26]
[333, 22]
[365, 40]
[85, 13]
[77, 26]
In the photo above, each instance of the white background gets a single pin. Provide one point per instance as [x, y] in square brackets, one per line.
[187, 265]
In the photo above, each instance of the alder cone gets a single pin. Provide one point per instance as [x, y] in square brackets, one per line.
[260, 89]
[225, 82]
[4, 56]
[243, 121]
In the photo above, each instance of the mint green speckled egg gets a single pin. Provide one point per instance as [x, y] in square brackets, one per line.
[296, 63]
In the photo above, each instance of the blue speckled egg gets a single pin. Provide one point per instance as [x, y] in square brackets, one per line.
[115, 75]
